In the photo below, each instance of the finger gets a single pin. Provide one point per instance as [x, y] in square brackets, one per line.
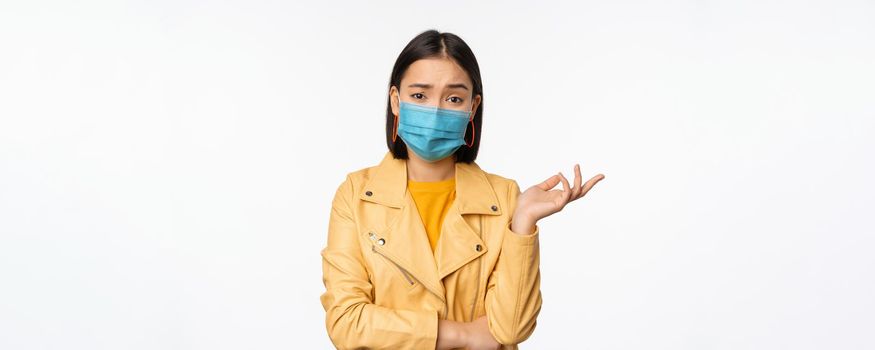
[549, 183]
[577, 179]
[567, 192]
[589, 184]
[586, 186]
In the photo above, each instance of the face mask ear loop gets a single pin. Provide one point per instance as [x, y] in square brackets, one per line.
[395, 130]
[395, 127]
[473, 130]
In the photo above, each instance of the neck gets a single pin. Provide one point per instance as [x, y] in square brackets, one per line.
[419, 169]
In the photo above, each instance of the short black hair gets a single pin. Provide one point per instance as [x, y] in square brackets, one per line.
[429, 44]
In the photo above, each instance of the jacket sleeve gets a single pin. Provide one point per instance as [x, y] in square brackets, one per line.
[513, 292]
[352, 319]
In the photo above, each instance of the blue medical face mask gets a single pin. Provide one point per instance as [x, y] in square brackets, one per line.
[433, 133]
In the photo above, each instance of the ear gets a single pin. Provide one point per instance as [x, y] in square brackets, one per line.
[393, 99]
[476, 104]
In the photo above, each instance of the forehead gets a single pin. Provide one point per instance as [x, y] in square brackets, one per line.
[435, 71]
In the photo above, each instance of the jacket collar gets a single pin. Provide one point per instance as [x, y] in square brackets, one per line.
[474, 193]
[404, 237]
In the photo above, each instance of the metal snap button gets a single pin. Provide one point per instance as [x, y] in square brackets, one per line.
[381, 241]
[494, 208]
[368, 193]
[478, 248]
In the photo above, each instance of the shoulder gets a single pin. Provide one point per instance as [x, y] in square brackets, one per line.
[497, 180]
[358, 177]
[504, 186]
[355, 179]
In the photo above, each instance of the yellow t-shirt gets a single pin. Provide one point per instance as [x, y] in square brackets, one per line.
[433, 199]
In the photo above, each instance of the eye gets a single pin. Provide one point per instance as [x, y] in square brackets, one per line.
[457, 99]
[418, 96]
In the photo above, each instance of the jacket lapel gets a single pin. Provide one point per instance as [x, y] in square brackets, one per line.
[459, 241]
[405, 239]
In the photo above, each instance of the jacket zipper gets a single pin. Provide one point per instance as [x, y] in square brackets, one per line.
[476, 291]
[408, 276]
[477, 288]
[403, 271]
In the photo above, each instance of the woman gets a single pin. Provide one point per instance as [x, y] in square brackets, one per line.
[426, 250]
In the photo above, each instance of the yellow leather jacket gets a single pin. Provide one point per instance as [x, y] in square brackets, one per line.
[385, 289]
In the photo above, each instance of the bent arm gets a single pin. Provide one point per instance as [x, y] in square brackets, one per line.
[513, 294]
[352, 319]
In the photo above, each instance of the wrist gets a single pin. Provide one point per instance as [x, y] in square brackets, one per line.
[463, 334]
[519, 216]
[522, 224]
[452, 334]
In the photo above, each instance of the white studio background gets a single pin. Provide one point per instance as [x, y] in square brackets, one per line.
[167, 167]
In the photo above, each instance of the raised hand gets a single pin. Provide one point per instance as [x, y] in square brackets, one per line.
[540, 201]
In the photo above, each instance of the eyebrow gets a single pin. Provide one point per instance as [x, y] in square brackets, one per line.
[429, 86]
